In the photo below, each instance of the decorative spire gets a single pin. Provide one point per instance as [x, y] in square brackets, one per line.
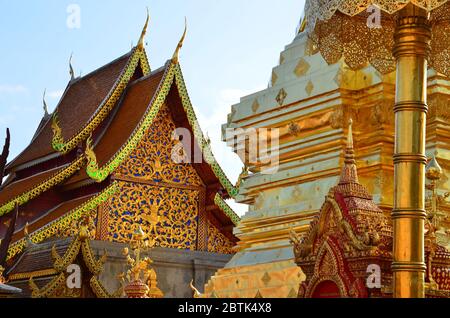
[72, 73]
[45, 104]
[144, 31]
[180, 43]
[434, 170]
[349, 172]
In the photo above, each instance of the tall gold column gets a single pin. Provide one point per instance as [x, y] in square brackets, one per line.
[411, 50]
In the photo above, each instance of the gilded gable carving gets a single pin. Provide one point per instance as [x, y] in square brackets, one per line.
[152, 159]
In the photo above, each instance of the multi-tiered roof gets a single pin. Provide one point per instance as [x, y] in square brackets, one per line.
[69, 166]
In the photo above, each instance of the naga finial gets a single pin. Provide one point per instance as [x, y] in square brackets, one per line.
[92, 168]
[144, 31]
[180, 43]
[45, 104]
[25, 230]
[58, 139]
[242, 176]
[89, 151]
[27, 236]
[195, 291]
[71, 71]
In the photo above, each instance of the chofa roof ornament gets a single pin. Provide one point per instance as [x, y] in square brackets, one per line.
[144, 31]
[180, 43]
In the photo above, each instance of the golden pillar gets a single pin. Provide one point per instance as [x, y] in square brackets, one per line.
[411, 50]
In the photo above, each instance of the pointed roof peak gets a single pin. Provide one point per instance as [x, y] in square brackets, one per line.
[46, 114]
[144, 31]
[350, 134]
[71, 71]
[349, 173]
[180, 43]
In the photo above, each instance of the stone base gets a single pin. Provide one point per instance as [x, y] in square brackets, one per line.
[174, 268]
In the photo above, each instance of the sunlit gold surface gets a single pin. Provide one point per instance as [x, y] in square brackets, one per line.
[411, 50]
[272, 280]
[311, 158]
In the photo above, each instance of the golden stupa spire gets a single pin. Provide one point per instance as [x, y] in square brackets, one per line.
[144, 31]
[45, 104]
[72, 73]
[180, 43]
[349, 172]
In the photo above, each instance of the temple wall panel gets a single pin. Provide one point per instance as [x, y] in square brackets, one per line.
[162, 196]
[73, 229]
[167, 214]
[217, 242]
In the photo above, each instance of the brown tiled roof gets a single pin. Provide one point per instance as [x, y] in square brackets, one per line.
[52, 215]
[39, 257]
[81, 99]
[15, 188]
[130, 112]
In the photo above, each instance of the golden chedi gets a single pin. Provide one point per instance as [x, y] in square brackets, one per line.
[309, 100]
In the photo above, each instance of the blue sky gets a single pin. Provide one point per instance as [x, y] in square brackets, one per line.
[229, 51]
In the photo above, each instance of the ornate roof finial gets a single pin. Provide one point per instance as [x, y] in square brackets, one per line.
[349, 172]
[92, 168]
[25, 230]
[195, 291]
[27, 236]
[144, 31]
[45, 104]
[180, 43]
[58, 139]
[72, 73]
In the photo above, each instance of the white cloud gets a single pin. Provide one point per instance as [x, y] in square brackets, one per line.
[212, 125]
[12, 89]
[55, 94]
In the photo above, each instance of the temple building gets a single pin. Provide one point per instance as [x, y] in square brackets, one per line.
[310, 101]
[347, 251]
[119, 149]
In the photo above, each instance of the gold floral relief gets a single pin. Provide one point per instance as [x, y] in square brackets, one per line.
[217, 242]
[152, 158]
[73, 229]
[168, 215]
